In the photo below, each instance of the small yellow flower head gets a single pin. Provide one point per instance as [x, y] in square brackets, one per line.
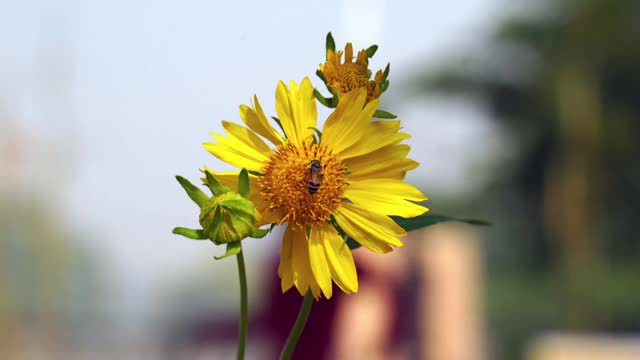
[343, 77]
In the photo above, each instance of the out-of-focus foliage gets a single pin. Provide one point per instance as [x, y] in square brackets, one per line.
[564, 83]
[50, 286]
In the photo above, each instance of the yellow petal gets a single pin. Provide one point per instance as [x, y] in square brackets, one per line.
[235, 153]
[227, 178]
[338, 254]
[266, 215]
[319, 264]
[386, 196]
[374, 231]
[257, 121]
[246, 137]
[296, 108]
[285, 268]
[389, 162]
[348, 122]
[240, 147]
[302, 274]
[348, 53]
[283, 108]
[315, 290]
[375, 135]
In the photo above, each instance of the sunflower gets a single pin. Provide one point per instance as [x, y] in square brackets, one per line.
[342, 78]
[361, 172]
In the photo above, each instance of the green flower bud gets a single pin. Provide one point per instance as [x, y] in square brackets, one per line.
[227, 218]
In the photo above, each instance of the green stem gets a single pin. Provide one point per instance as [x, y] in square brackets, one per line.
[242, 339]
[301, 321]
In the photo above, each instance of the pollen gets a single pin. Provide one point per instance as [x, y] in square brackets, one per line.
[285, 184]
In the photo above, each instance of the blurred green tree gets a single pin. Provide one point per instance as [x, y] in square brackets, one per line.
[564, 83]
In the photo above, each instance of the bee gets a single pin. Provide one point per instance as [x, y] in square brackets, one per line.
[315, 170]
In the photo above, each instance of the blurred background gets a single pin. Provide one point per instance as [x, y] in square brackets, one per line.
[522, 113]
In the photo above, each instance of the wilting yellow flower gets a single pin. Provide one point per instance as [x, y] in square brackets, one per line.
[342, 78]
[362, 167]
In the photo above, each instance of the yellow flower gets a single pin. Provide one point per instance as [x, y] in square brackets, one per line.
[362, 167]
[342, 78]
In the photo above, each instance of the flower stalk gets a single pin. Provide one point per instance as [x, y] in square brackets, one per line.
[242, 273]
[298, 327]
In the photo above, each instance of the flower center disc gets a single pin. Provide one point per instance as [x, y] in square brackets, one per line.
[349, 77]
[285, 184]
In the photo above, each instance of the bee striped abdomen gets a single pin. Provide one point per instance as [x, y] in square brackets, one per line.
[315, 178]
[313, 187]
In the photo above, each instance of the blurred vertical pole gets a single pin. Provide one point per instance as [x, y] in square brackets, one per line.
[570, 197]
[451, 302]
[53, 97]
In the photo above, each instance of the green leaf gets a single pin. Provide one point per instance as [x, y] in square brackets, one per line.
[193, 234]
[233, 248]
[371, 50]
[352, 244]
[197, 195]
[381, 114]
[321, 76]
[422, 221]
[216, 188]
[259, 233]
[477, 222]
[330, 44]
[429, 219]
[243, 183]
[323, 100]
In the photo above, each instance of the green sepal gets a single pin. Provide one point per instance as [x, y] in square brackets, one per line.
[385, 86]
[320, 74]
[233, 248]
[243, 183]
[422, 221]
[371, 50]
[330, 44]
[214, 185]
[385, 74]
[318, 132]
[255, 173]
[197, 195]
[258, 233]
[381, 114]
[323, 100]
[193, 234]
[279, 124]
[368, 74]
[334, 101]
